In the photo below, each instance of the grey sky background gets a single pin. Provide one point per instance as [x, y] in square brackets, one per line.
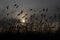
[51, 4]
[31, 3]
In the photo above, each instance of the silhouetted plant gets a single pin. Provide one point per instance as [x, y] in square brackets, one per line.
[46, 9]
[7, 14]
[43, 9]
[16, 5]
[31, 9]
[7, 7]
[20, 13]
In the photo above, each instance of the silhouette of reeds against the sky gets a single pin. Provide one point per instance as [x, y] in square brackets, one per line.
[29, 15]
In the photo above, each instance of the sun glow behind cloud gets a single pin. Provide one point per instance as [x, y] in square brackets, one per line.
[23, 20]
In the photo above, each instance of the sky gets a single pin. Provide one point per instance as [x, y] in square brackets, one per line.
[51, 4]
[30, 3]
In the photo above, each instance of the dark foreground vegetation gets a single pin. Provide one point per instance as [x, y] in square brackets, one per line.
[30, 35]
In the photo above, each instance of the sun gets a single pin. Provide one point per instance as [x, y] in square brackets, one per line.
[23, 20]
